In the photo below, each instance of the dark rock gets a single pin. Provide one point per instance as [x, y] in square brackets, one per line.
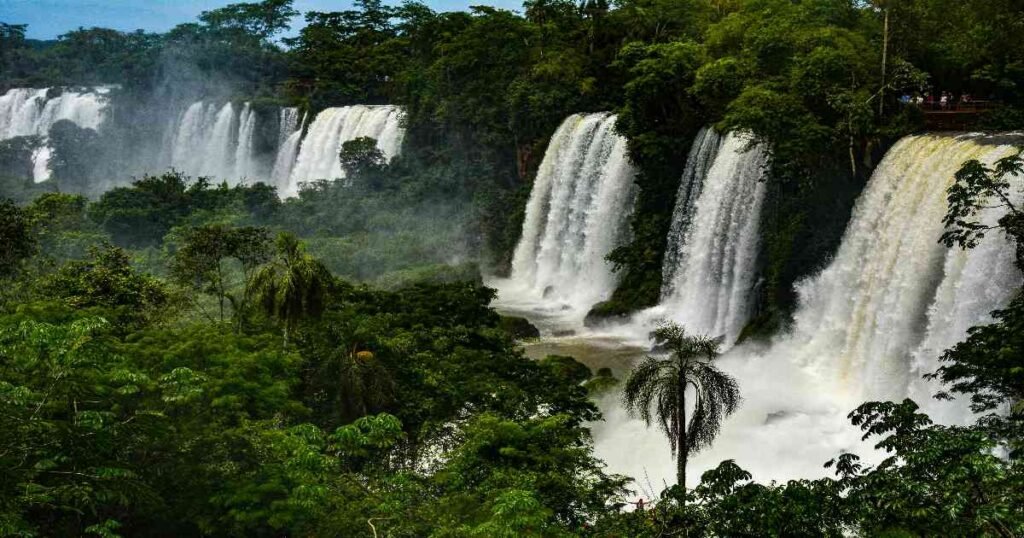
[603, 313]
[518, 328]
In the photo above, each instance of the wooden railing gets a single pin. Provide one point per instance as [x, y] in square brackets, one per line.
[955, 115]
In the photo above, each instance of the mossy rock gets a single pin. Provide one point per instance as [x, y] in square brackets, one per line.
[606, 311]
[518, 328]
[602, 383]
[567, 368]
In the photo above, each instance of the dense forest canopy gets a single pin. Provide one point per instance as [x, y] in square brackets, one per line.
[183, 357]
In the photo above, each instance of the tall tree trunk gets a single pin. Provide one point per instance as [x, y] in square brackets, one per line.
[885, 59]
[681, 448]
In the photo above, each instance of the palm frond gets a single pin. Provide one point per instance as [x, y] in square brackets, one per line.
[717, 396]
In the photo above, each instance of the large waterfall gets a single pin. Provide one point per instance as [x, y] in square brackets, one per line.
[892, 287]
[712, 245]
[31, 112]
[577, 213]
[867, 327]
[318, 153]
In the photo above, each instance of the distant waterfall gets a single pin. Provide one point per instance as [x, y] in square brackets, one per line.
[318, 152]
[205, 141]
[287, 122]
[713, 242]
[26, 111]
[577, 213]
[288, 138]
[246, 162]
[30, 112]
[894, 298]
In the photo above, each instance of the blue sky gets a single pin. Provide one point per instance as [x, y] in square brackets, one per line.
[47, 19]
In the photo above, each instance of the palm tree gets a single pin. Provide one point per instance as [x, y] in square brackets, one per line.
[657, 389]
[292, 285]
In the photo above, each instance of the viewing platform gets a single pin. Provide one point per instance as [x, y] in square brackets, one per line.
[957, 116]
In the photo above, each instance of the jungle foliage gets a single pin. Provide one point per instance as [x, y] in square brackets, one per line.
[183, 357]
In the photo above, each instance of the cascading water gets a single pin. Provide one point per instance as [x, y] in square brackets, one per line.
[246, 163]
[713, 242]
[288, 138]
[205, 141]
[577, 213]
[862, 317]
[702, 156]
[866, 327]
[287, 122]
[318, 152]
[26, 111]
[31, 112]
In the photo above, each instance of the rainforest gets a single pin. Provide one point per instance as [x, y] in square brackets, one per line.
[596, 268]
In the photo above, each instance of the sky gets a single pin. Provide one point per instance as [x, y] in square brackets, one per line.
[47, 19]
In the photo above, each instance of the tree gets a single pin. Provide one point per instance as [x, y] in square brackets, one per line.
[260, 19]
[988, 364]
[200, 260]
[78, 152]
[661, 384]
[106, 282]
[293, 285]
[16, 156]
[62, 226]
[363, 161]
[67, 410]
[16, 238]
[936, 480]
[140, 215]
[977, 188]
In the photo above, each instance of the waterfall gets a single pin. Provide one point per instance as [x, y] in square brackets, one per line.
[41, 163]
[577, 213]
[713, 242]
[246, 163]
[288, 138]
[30, 112]
[701, 157]
[288, 122]
[866, 328]
[894, 293]
[318, 152]
[217, 141]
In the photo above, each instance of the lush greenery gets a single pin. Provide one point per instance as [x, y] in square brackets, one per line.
[248, 391]
[181, 357]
